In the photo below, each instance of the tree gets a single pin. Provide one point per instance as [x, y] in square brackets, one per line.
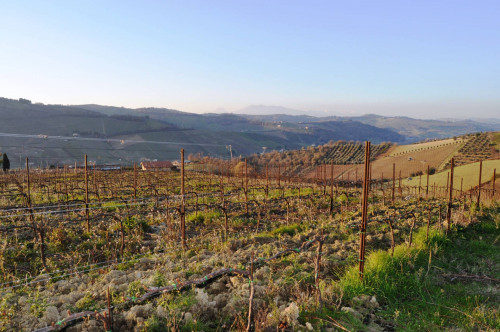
[5, 163]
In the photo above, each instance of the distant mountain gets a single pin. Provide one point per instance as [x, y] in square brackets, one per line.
[121, 135]
[416, 129]
[281, 118]
[266, 109]
[111, 134]
[413, 130]
[487, 120]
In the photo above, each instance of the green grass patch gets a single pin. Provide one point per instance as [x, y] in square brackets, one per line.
[204, 218]
[288, 229]
[421, 286]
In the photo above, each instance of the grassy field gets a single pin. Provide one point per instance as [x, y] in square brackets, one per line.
[470, 174]
[436, 285]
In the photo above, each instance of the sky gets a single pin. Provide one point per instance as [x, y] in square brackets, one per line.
[423, 59]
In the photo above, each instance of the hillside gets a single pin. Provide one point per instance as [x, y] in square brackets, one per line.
[410, 159]
[469, 173]
[152, 133]
[344, 153]
[417, 129]
[413, 130]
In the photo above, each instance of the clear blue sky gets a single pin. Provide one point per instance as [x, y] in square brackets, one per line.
[416, 58]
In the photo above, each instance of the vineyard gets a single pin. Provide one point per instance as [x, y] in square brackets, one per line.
[343, 153]
[299, 162]
[477, 148]
[221, 246]
[409, 164]
[412, 148]
[414, 159]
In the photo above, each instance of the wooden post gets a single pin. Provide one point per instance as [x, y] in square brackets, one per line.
[450, 201]
[479, 186]
[183, 220]
[364, 211]
[87, 195]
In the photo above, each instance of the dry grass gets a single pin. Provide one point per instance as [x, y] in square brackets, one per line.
[413, 148]
[409, 163]
[470, 174]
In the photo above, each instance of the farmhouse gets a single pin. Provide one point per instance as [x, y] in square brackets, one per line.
[156, 165]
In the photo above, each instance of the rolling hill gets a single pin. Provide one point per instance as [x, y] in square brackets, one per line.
[414, 130]
[152, 133]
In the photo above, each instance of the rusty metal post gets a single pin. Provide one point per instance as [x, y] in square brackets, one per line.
[87, 217]
[364, 211]
[331, 188]
[450, 201]
[479, 186]
[183, 220]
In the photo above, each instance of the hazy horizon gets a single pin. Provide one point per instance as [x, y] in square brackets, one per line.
[422, 60]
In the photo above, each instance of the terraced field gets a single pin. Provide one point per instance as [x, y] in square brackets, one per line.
[408, 163]
[342, 153]
[414, 159]
[475, 149]
[414, 148]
